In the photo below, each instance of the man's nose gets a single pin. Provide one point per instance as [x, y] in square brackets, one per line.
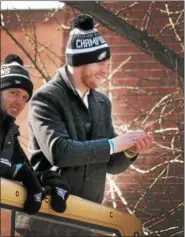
[19, 101]
[105, 70]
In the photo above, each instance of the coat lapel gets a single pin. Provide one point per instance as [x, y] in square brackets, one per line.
[95, 107]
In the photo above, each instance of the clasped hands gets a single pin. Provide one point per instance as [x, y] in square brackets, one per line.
[135, 142]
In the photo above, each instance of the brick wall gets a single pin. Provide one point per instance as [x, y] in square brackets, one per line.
[135, 89]
[140, 91]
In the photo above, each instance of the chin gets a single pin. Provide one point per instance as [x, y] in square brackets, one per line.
[94, 86]
[14, 115]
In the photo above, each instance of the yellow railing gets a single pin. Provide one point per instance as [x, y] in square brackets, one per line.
[79, 210]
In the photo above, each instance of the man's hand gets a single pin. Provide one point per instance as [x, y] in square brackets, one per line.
[25, 174]
[143, 144]
[57, 187]
[127, 140]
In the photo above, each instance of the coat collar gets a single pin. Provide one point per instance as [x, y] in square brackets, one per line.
[95, 99]
[5, 116]
[9, 122]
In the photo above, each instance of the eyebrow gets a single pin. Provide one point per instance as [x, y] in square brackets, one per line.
[17, 90]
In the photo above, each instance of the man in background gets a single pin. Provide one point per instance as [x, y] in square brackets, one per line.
[16, 90]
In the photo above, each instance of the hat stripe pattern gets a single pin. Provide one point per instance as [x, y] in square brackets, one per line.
[14, 64]
[16, 75]
[76, 51]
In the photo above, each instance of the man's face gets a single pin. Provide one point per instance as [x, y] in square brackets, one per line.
[13, 101]
[93, 73]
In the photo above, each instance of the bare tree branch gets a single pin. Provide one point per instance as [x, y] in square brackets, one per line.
[25, 51]
[140, 39]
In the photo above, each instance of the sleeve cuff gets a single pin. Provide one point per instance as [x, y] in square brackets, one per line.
[112, 146]
[130, 155]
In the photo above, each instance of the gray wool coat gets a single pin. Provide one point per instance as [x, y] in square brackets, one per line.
[64, 133]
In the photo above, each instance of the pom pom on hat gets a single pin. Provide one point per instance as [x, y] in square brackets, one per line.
[10, 58]
[83, 22]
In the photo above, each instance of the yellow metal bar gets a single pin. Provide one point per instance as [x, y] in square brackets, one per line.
[13, 194]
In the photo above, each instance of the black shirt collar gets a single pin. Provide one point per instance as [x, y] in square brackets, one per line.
[5, 116]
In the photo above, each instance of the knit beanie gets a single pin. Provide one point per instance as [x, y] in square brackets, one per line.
[15, 75]
[85, 44]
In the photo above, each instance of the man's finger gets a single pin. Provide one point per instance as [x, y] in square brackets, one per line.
[144, 144]
[138, 145]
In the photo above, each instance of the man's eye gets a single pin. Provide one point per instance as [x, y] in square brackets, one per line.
[13, 92]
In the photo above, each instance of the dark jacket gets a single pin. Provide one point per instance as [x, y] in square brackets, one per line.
[9, 145]
[64, 133]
